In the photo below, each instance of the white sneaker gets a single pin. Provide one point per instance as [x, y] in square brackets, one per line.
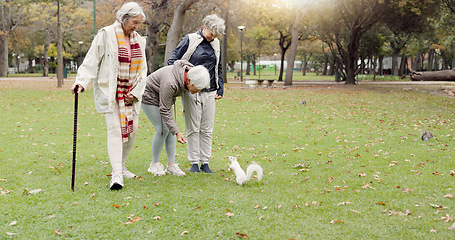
[156, 169]
[116, 182]
[127, 174]
[174, 169]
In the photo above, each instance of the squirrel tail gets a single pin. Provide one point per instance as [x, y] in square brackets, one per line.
[254, 168]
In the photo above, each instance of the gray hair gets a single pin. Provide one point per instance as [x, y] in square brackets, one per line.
[199, 76]
[215, 23]
[128, 10]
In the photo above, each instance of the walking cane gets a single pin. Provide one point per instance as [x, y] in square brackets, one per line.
[74, 137]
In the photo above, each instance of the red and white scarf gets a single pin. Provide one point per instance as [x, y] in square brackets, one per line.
[129, 74]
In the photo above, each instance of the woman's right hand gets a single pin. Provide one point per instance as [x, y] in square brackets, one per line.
[79, 89]
[180, 138]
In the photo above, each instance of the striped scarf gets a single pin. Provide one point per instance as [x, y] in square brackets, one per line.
[129, 73]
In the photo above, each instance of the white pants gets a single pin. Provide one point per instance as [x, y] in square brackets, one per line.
[117, 150]
[199, 111]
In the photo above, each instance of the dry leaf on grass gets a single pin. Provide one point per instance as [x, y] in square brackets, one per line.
[184, 232]
[13, 223]
[446, 219]
[157, 218]
[133, 220]
[336, 221]
[242, 235]
[449, 195]
[57, 232]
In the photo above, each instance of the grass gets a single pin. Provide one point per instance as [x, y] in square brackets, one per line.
[364, 173]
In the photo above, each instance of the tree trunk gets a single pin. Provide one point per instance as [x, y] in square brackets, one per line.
[248, 64]
[395, 64]
[176, 29]
[59, 48]
[225, 41]
[46, 56]
[430, 60]
[284, 46]
[293, 47]
[4, 55]
[444, 75]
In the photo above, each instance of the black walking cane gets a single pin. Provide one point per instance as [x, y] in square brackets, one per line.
[74, 137]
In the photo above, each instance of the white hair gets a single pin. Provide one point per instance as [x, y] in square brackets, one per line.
[199, 76]
[215, 23]
[128, 10]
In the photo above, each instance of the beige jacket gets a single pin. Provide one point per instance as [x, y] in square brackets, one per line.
[101, 66]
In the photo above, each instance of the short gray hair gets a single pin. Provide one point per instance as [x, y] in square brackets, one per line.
[215, 23]
[128, 10]
[199, 76]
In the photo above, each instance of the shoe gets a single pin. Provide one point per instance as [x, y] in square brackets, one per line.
[127, 174]
[194, 168]
[116, 182]
[156, 169]
[205, 168]
[174, 169]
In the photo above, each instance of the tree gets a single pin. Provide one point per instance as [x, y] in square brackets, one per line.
[12, 14]
[176, 29]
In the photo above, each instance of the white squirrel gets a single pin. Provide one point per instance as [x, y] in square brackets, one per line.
[240, 174]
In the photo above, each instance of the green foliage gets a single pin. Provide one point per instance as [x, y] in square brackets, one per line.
[348, 164]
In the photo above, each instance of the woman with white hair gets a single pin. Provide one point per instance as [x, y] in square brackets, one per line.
[116, 64]
[162, 88]
[202, 48]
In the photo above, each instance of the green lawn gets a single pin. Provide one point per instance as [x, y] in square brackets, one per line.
[348, 164]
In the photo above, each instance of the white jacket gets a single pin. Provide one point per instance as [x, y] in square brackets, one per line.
[101, 66]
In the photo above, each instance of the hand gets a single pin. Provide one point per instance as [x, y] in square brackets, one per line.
[79, 89]
[180, 138]
[129, 98]
[218, 97]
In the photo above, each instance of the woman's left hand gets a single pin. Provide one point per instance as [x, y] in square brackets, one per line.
[129, 98]
[218, 97]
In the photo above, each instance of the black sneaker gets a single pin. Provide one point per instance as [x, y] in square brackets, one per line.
[205, 168]
[194, 168]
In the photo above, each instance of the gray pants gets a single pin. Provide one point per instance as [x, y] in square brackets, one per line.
[162, 135]
[199, 111]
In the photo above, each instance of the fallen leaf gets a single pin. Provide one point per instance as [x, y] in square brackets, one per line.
[336, 221]
[10, 233]
[256, 206]
[197, 208]
[380, 203]
[446, 219]
[433, 231]
[13, 223]
[451, 228]
[133, 220]
[115, 205]
[228, 214]
[449, 195]
[260, 218]
[241, 235]
[407, 190]
[57, 232]
[184, 232]
[157, 218]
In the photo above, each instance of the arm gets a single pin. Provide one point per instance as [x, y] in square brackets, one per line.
[179, 51]
[220, 90]
[166, 102]
[88, 71]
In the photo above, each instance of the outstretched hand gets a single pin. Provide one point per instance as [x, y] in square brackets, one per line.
[180, 138]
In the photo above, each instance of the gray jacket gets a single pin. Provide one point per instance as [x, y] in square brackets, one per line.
[163, 87]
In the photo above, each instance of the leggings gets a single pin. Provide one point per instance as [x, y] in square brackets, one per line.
[162, 135]
[118, 151]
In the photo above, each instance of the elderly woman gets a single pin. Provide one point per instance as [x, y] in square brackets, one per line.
[202, 48]
[116, 64]
[162, 88]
